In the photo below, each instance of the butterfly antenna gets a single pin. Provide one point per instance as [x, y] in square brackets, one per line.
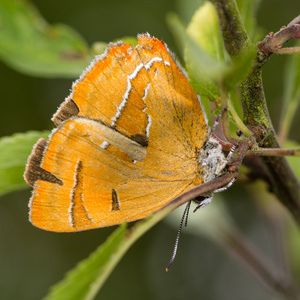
[185, 220]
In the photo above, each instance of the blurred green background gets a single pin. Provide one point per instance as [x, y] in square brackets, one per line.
[31, 260]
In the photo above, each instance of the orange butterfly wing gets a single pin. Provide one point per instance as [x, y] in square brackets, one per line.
[127, 142]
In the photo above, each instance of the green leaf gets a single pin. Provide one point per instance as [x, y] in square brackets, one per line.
[240, 69]
[204, 28]
[14, 152]
[29, 45]
[128, 39]
[202, 47]
[100, 47]
[84, 281]
[88, 277]
[201, 67]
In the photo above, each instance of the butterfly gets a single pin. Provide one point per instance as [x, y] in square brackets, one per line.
[130, 138]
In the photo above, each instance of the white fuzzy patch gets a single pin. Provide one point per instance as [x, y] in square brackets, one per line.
[212, 159]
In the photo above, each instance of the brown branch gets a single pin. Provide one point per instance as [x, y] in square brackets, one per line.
[281, 179]
[242, 250]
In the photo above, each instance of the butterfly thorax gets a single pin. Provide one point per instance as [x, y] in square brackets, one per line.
[212, 160]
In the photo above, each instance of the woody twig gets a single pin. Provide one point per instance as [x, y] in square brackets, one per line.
[282, 181]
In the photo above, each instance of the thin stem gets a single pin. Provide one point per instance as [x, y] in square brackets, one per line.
[245, 252]
[238, 121]
[276, 221]
[233, 30]
[275, 152]
[288, 50]
[225, 115]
